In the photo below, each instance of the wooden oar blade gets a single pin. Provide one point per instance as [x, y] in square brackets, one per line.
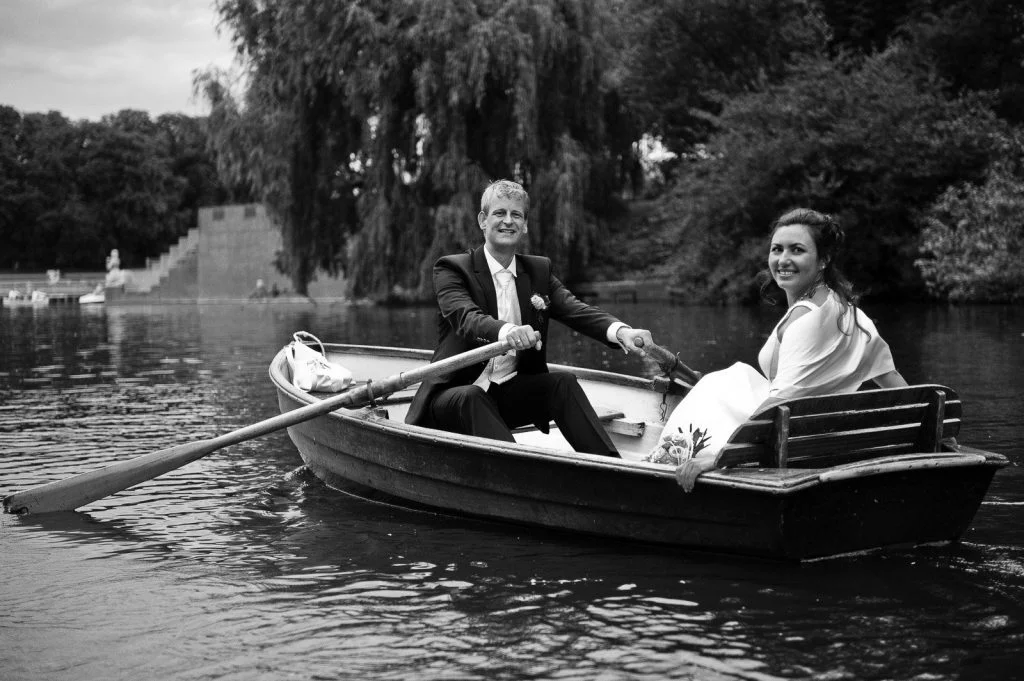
[82, 489]
[79, 490]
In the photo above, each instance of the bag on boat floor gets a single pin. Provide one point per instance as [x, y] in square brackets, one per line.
[310, 369]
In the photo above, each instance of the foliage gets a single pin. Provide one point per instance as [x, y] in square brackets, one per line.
[867, 27]
[371, 128]
[71, 192]
[867, 139]
[869, 110]
[975, 45]
[972, 237]
[686, 58]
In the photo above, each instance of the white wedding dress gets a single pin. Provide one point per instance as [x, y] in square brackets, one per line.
[821, 353]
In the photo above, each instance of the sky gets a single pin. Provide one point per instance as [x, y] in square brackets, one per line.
[89, 58]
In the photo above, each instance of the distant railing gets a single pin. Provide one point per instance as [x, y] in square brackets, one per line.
[74, 283]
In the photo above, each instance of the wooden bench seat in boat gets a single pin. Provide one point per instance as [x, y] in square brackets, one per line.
[614, 420]
[818, 432]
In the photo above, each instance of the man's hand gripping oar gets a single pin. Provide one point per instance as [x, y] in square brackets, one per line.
[670, 364]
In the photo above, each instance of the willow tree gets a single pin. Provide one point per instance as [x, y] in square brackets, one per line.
[371, 127]
[290, 136]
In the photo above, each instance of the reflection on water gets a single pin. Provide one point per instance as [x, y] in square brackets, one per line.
[243, 566]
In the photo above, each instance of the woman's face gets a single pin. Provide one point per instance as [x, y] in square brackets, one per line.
[793, 260]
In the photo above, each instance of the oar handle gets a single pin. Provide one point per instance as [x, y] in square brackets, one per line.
[79, 490]
[669, 362]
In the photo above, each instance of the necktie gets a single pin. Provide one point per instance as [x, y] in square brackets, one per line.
[504, 367]
[508, 311]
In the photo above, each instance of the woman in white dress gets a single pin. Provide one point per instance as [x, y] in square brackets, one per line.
[823, 344]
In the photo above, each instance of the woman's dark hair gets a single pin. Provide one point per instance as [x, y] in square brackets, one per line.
[829, 239]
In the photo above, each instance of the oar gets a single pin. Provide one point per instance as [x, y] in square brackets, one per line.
[77, 491]
[670, 363]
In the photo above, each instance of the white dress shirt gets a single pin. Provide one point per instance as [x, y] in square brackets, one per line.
[500, 369]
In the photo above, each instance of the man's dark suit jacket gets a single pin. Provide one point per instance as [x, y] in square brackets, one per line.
[467, 319]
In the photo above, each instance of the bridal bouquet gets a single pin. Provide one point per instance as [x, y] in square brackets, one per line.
[676, 448]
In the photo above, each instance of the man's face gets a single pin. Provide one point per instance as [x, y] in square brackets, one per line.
[504, 224]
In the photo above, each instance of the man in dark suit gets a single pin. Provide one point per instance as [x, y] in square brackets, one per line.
[493, 293]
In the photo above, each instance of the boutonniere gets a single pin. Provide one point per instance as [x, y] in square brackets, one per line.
[540, 303]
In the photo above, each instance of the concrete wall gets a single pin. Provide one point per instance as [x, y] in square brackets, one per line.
[237, 246]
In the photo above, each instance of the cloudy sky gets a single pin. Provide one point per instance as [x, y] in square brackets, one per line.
[87, 58]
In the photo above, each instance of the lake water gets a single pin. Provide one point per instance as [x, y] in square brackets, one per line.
[243, 566]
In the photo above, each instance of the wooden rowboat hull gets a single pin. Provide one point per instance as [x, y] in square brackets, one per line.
[782, 514]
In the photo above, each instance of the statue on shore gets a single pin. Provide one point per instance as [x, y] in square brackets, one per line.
[115, 277]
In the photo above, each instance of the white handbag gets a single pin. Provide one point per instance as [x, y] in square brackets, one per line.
[310, 369]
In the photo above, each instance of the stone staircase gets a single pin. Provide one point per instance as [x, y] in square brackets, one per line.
[166, 269]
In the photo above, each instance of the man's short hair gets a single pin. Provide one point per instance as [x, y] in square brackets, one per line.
[504, 189]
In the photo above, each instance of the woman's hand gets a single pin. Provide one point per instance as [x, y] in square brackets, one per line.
[687, 472]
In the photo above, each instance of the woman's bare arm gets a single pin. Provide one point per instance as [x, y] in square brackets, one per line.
[893, 379]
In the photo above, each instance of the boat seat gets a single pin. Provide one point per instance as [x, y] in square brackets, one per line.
[614, 421]
[818, 432]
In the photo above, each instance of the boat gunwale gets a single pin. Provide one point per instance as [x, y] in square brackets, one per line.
[770, 481]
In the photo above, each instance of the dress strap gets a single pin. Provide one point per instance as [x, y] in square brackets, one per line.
[800, 303]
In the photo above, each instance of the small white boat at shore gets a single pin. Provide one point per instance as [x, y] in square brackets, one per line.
[33, 299]
[97, 296]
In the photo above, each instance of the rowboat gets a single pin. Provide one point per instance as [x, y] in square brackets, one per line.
[94, 297]
[808, 479]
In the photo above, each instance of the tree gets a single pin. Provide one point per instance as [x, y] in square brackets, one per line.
[293, 138]
[872, 140]
[685, 59]
[370, 128]
[184, 138]
[976, 45]
[972, 236]
[125, 174]
[40, 178]
[71, 191]
[11, 185]
[866, 27]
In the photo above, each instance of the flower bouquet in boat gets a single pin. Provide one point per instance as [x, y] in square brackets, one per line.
[675, 448]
